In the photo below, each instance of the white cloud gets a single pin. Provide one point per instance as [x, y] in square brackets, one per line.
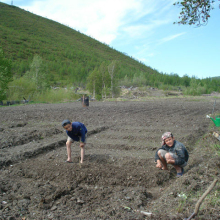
[100, 19]
[143, 30]
[169, 38]
[103, 20]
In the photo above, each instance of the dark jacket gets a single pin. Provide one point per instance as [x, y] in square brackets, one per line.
[178, 149]
[78, 131]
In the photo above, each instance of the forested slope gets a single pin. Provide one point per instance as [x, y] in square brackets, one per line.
[44, 53]
[69, 54]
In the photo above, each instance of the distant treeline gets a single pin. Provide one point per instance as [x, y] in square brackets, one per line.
[102, 82]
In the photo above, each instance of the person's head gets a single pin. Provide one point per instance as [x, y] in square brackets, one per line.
[168, 139]
[67, 125]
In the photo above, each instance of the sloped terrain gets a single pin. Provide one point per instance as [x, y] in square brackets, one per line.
[119, 174]
[68, 54]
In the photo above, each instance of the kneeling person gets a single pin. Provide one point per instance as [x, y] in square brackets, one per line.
[172, 152]
[76, 131]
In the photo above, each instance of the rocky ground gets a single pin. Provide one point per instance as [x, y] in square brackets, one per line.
[118, 179]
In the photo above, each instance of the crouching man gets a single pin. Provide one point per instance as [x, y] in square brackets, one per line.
[172, 152]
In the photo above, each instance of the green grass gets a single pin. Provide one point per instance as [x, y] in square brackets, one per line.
[56, 96]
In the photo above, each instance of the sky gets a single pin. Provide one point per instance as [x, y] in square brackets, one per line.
[142, 29]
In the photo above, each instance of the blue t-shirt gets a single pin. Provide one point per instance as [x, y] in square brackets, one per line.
[78, 131]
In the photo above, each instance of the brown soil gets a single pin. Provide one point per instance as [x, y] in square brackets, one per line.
[119, 174]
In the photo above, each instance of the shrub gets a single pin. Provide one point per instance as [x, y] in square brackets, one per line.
[58, 95]
[20, 88]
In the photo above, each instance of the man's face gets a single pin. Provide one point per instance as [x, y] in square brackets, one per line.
[169, 141]
[68, 127]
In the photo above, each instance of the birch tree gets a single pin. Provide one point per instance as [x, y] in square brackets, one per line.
[111, 71]
[105, 79]
[93, 82]
[38, 73]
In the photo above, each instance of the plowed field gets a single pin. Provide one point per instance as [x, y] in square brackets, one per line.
[118, 176]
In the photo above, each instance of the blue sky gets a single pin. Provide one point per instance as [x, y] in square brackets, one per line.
[142, 29]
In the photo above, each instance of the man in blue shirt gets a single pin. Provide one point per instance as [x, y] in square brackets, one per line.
[76, 131]
[172, 152]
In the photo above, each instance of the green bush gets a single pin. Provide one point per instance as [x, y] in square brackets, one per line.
[20, 88]
[126, 82]
[165, 87]
[139, 80]
[98, 97]
[195, 91]
[58, 95]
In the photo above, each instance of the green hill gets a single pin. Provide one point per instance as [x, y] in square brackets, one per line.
[44, 53]
[68, 54]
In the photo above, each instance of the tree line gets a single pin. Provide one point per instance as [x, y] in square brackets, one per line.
[103, 81]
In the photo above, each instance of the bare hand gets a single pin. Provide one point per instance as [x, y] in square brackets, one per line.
[170, 161]
[81, 144]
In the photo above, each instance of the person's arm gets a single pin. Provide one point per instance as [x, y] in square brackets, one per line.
[180, 151]
[83, 134]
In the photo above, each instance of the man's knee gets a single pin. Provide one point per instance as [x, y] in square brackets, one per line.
[168, 156]
[161, 153]
[68, 143]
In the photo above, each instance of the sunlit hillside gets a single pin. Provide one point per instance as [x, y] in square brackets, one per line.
[69, 54]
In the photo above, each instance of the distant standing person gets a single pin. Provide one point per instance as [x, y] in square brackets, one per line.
[172, 152]
[76, 131]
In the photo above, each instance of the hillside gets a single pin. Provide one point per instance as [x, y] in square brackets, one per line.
[67, 53]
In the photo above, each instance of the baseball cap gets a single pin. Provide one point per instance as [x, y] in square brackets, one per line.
[65, 122]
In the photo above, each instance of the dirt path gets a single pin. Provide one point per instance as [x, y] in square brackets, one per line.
[119, 169]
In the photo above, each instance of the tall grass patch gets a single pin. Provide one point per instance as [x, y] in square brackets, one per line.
[58, 95]
[21, 88]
